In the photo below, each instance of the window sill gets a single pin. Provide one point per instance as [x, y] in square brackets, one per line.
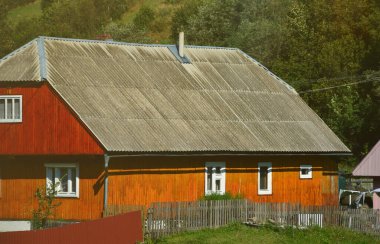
[215, 193]
[10, 121]
[264, 193]
[66, 196]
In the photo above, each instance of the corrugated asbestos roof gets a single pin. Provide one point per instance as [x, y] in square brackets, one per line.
[370, 165]
[141, 98]
[22, 64]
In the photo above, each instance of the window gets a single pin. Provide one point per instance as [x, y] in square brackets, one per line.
[265, 178]
[215, 178]
[306, 171]
[10, 109]
[65, 177]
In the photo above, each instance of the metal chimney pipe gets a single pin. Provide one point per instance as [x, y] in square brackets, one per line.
[181, 44]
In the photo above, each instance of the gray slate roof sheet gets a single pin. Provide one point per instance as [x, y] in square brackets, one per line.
[140, 98]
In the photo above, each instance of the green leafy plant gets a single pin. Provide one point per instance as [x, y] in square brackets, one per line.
[225, 196]
[46, 205]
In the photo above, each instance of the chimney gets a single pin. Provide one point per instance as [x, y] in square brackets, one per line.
[181, 44]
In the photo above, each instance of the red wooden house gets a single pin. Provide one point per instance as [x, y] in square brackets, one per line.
[133, 124]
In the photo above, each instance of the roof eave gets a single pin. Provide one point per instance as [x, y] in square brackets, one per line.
[224, 153]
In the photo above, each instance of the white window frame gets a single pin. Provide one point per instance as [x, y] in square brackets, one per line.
[55, 166]
[309, 175]
[215, 176]
[11, 97]
[267, 191]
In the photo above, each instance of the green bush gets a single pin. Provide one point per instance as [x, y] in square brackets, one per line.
[46, 205]
[225, 196]
[144, 17]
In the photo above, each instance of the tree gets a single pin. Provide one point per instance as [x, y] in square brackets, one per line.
[6, 42]
[108, 10]
[46, 3]
[180, 19]
[144, 17]
[76, 19]
[214, 22]
[127, 33]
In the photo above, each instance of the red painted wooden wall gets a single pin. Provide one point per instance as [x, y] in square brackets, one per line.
[48, 126]
[123, 229]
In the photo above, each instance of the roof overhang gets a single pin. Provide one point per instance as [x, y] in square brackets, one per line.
[197, 154]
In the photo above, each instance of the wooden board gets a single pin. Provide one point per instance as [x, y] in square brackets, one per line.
[142, 180]
[48, 126]
[22, 175]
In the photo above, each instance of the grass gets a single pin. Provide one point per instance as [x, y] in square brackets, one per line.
[27, 11]
[238, 233]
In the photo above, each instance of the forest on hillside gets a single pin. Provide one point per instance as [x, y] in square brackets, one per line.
[328, 50]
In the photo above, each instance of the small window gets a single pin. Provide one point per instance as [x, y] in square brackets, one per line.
[10, 109]
[215, 178]
[65, 177]
[265, 178]
[306, 171]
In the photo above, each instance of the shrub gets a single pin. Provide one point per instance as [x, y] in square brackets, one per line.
[225, 196]
[46, 206]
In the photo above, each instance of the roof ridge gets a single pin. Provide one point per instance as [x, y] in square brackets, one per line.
[17, 50]
[269, 72]
[42, 57]
[131, 43]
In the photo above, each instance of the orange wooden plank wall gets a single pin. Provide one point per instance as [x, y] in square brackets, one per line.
[48, 126]
[21, 176]
[142, 180]
[287, 186]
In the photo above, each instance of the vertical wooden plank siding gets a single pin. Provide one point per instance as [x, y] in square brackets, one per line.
[143, 180]
[48, 126]
[22, 176]
[287, 186]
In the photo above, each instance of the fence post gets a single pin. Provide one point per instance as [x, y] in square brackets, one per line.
[247, 209]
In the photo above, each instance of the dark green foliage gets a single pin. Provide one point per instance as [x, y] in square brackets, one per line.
[68, 18]
[127, 33]
[27, 30]
[144, 17]
[13, 3]
[46, 3]
[110, 9]
[182, 16]
[225, 196]
[213, 22]
[6, 42]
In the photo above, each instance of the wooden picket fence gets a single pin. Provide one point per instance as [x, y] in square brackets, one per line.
[162, 219]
